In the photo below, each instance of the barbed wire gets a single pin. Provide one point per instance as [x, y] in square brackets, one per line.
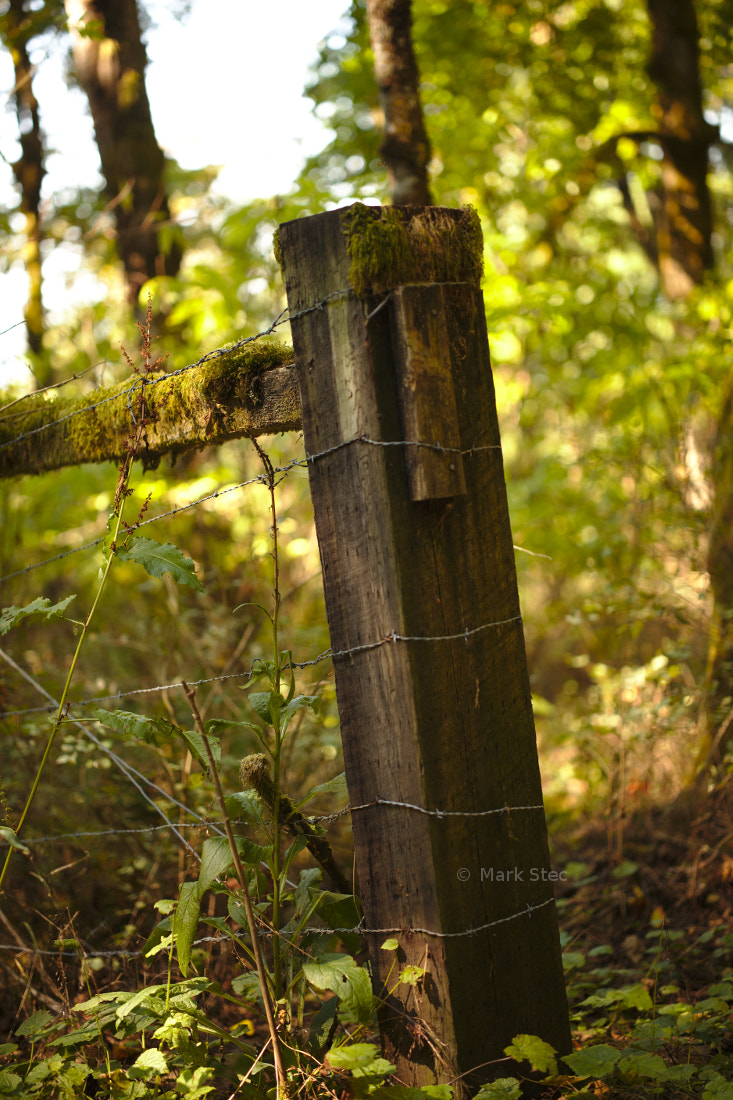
[284, 317]
[51, 385]
[359, 929]
[136, 777]
[401, 443]
[390, 638]
[204, 823]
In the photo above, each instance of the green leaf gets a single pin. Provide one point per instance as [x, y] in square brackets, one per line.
[532, 1049]
[244, 804]
[129, 1002]
[153, 731]
[216, 856]
[186, 922]
[363, 1059]
[595, 1061]
[337, 785]
[11, 839]
[192, 1082]
[350, 983]
[642, 1063]
[41, 608]
[718, 1088]
[267, 704]
[391, 944]
[504, 1088]
[300, 702]
[35, 1024]
[8, 1082]
[411, 975]
[151, 1063]
[321, 1025]
[637, 996]
[195, 744]
[158, 558]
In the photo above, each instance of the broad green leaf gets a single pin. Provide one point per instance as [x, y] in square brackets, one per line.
[717, 1088]
[504, 1088]
[195, 744]
[158, 558]
[186, 922]
[151, 1063]
[361, 1058]
[643, 1063]
[299, 702]
[139, 997]
[35, 1024]
[244, 804]
[9, 1082]
[595, 1061]
[191, 1082]
[321, 1025]
[391, 944]
[532, 1049]
[267, 704]
[350, 983]
[222, 725]
[10, 837]
[153, 731]
[411, 975]
[41, 608]
[216, 856]
[637, 996]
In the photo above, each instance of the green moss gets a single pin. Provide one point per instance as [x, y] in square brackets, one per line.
[277, 248]
[398, 245]
[182, 410]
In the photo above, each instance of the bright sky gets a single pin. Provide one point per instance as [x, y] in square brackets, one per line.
[226, 88]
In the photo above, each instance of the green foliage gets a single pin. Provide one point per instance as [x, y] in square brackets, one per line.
[40, 607]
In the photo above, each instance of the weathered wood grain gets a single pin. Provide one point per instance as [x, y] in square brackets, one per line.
[443, 721]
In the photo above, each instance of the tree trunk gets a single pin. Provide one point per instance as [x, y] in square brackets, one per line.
[406, 148]
[684, 226]
[111, 70]
[29, 172]
[684, 220]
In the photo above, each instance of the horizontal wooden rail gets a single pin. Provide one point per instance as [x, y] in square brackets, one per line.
[249, 391]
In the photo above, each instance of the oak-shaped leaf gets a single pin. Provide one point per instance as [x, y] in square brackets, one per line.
[41, 607]
[158, 558]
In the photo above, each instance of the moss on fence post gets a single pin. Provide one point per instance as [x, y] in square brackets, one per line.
[248, 390]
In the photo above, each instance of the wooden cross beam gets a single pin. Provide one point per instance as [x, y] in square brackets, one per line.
[248, 391]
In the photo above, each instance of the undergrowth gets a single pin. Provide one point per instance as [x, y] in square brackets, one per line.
[251, 983]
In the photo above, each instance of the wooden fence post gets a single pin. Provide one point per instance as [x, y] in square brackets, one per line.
[408, 489]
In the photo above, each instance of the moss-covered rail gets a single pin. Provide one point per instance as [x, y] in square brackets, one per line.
[249, 391]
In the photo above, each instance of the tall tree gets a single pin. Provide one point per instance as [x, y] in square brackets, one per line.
[110, 61]
[405, 148]
[683, 215]
[683, 250]
[18, 25]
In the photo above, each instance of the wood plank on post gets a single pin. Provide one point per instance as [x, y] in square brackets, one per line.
[423, 609]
